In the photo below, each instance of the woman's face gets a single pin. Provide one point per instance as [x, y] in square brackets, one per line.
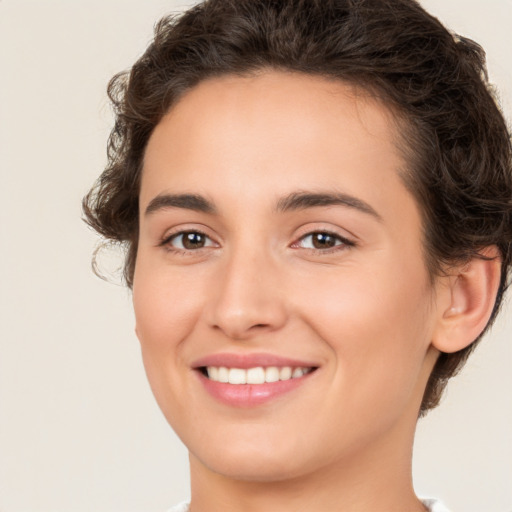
[278, 245]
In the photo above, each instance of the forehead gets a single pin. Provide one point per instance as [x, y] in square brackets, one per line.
[269, 122]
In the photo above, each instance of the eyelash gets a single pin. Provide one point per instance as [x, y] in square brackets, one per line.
[166, 242]
[343, 244]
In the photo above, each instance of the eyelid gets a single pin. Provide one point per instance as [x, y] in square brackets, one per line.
[177, 236]
[311, 228]
[337, 238]
[344, 240]
[165, 241]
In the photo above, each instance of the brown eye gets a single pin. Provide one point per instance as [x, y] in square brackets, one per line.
[190, 240]
[323, 240]
[319, 240]
[193, 240]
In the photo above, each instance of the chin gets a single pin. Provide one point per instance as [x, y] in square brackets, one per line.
[267, 461]
[252, 469]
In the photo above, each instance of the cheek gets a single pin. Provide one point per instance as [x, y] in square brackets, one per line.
[377, 326]
[166, 311]
[165, 305]
[355, 301]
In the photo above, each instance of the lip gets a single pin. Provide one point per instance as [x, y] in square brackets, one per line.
[250, 395]
[245, 361]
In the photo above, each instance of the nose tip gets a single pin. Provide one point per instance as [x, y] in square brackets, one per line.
[247, 301]
[247, 313]
[243, 324]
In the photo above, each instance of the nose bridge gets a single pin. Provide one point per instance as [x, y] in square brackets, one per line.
[248, 297]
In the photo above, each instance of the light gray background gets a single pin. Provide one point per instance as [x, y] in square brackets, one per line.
[79, 430]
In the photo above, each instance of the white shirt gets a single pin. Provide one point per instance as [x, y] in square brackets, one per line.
[431, 504]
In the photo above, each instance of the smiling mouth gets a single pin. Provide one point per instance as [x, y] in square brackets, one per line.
[256, 375]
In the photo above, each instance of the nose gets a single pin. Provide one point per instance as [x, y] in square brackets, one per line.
[248, 299]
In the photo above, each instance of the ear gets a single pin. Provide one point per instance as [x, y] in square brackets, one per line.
[466, 301]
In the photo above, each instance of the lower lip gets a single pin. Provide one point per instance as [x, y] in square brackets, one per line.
[250, 395]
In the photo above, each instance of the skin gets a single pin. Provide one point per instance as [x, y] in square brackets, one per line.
[364, 311]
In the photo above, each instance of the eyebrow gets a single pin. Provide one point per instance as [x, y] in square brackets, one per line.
[186, 201]
[292, 202]
[304, 200]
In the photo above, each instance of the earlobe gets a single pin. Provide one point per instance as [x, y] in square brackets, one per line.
[469, 299]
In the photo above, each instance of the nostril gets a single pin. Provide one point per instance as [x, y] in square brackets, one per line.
[240, 316]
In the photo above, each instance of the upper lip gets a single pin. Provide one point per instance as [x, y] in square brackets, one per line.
[244, 361]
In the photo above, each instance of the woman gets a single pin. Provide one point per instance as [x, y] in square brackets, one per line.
[315, 197]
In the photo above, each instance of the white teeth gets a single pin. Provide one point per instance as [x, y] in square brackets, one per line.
[223, 375]
[213, 373]
[297, 372]
[285, 373]
[237, 376]
[271, 374]
[256, 375]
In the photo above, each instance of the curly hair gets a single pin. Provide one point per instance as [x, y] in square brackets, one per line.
[454, 137]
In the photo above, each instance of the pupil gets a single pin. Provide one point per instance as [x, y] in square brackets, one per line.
[193, 240]
[323, 240]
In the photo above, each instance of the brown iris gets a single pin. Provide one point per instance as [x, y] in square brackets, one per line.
[193, 240]
[323, 240]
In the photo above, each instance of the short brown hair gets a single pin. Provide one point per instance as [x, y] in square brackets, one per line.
[456, 141]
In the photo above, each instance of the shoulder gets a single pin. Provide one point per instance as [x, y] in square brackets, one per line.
[433, 505]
